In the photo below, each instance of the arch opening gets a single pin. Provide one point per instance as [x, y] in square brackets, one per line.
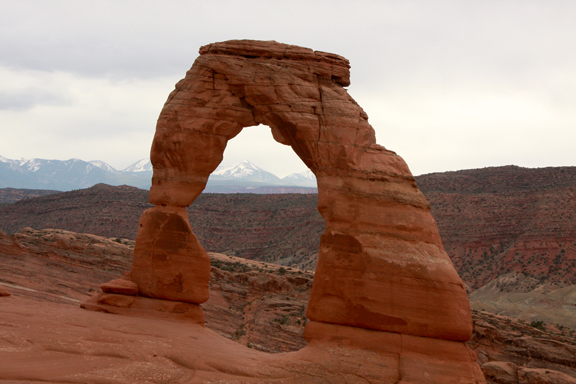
[257, 145]
[280, 222]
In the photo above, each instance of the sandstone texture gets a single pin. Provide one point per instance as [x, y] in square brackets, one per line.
[381, 264]
[258, 305]
[4, 292]
[511, 351]
[383, 282]
[68, 345]
[60, 266]
[122, 286]
[169, 262]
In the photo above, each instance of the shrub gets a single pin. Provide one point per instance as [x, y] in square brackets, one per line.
[538, 324]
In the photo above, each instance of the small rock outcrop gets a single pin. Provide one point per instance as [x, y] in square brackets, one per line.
[383, 280]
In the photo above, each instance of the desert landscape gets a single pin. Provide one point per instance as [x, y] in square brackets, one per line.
[253, 304]
[370, 280]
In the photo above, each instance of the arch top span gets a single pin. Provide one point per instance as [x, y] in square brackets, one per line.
[323, 63]
[382, 265]
[299, 93]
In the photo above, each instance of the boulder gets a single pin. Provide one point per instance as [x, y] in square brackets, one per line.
[501, 372]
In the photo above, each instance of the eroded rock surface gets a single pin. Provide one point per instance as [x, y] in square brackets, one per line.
[256, 304]
[381, 265]
[60, 266]
[383, 282]
[68, 345]
[169, 262]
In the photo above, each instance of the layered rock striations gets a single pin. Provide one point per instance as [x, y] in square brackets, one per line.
[256, 304]
[383, 280]
[517, 220]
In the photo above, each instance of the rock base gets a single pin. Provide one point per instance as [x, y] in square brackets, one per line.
[417, 359]
[145, 307]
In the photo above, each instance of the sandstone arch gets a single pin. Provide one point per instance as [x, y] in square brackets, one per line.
[382, 266]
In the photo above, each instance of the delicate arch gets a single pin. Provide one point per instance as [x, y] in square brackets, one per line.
[382, 265]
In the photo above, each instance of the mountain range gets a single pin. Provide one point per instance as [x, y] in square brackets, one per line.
[66, 175]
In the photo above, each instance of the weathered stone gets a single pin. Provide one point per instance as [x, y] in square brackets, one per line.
[145, 307]
[381, 266]
[501, 372]
[121, 286]
[169, 262]
[418, 359]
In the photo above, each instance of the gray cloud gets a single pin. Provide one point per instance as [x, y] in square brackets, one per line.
[446, 71]
[25, 99]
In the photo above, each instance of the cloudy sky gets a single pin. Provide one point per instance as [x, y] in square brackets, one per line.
[448, 85]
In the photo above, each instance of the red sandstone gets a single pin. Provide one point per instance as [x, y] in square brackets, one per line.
[384, 282]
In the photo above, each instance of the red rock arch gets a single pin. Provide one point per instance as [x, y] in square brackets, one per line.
[382, 265]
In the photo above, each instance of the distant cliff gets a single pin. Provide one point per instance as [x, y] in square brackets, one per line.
[499, 220]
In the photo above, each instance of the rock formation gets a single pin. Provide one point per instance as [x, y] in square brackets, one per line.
[383, 281]
[256, 304]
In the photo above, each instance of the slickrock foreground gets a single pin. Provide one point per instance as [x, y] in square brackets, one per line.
[384, 287]
[68, 345]
[256, 304]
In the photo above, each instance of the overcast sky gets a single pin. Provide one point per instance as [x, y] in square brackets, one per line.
[448, 85]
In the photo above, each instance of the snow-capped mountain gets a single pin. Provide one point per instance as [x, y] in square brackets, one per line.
[248, 177]
[65, 175]
[104, 166]
[304, 179]
[144, 165]
[244, 170]
[51, 174]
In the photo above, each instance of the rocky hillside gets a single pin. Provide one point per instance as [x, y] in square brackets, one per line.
[102, 210]
[526, 297]
[282, 228]
[257, 304]
[12, 195]
[493, 221]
